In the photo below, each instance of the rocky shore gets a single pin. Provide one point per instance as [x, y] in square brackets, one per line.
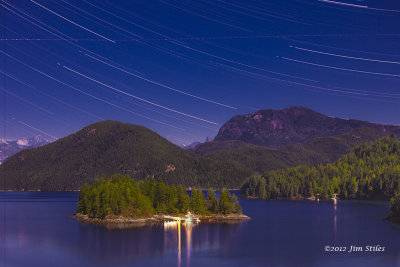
[108, 220]
[122, 221]
[393, 218]
[230, 218]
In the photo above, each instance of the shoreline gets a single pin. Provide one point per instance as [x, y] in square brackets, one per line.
[38, 191]
[122, 222]
[78, 190]
[393, 218]
[297, 198]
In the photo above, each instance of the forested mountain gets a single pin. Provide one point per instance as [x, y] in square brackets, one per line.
[109, 147]
[320, 150]
[368, 172]
[292, 125]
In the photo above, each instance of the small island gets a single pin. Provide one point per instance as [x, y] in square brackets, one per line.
[124, 200]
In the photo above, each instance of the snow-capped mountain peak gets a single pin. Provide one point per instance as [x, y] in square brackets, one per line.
[3, 141]
[9, 147]
[39, 139]
[23, 142]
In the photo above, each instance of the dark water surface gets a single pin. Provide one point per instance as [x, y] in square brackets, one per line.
[37, 230]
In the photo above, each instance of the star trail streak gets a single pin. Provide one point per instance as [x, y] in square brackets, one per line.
[240, 63]
[342, 49]
[50, 96]
[206, 17]
[343, 56]
[90, 95]
[160, 84]
[183, 68]
[28, 102]
[320, 88]
[358, 6]
[102, 20]
[38, 130]
[337, 68]
[70, 21]
[342, 3]
[286, 36]
[139, 98]
[33, 23]
[153, 110]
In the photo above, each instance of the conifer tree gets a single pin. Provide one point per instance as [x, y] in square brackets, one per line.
[183, 203]
[236, 207]
[225, 203]
[83, 199]
[213, 205]
[172, 200]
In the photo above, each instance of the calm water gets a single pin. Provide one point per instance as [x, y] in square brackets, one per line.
[37, 230]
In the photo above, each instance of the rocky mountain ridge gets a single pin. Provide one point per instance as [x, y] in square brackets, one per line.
[290, 126]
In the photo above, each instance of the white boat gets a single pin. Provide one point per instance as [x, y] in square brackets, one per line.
[335, 199]
[191, 218]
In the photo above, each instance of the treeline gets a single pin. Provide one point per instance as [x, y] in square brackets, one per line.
[369, 171]
[122, 195]
[395, 208]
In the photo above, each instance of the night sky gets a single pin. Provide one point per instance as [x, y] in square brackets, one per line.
[183, 68]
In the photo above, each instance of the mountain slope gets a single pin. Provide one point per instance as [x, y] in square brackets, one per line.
[368, 172]
[112, 147]
[293, 125]
[320, 150]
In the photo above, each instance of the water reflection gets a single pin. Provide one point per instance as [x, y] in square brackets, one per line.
[175, 228]
[335, 220]
[38, 231]
[150, 241]
[188, 228]
[179, 244]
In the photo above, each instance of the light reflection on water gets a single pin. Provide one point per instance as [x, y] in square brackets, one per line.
[335, 220]
[179, 245]
[175, 228]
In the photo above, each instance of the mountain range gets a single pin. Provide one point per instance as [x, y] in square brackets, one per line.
[11, 147]
[109, 147]
[245, 145]
[290, 126]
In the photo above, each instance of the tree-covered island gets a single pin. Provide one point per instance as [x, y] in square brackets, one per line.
[122, 199]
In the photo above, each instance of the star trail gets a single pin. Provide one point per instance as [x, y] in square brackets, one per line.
[183, 68]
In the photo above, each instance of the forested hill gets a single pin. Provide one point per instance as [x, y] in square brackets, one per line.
[109, 147]
[320, 150]
[368, 172]
[290, 126]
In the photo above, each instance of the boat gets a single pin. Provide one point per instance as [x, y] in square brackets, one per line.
[335, 199]
[191, 218]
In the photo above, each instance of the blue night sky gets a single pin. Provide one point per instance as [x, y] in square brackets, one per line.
[183, 68]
